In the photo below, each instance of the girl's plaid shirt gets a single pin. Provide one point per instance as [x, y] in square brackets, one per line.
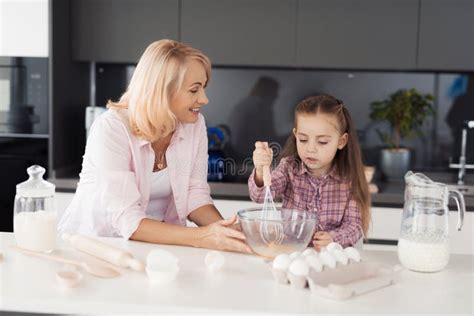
[329, 196]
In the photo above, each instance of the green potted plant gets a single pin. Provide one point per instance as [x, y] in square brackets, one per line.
[405, 111]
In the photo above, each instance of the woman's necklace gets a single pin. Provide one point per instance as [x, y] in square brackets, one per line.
[160, 161]
[160, 156]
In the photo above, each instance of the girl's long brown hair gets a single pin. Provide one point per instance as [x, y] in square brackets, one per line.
[348, 161]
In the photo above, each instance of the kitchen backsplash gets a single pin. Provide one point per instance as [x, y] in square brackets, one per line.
[249, 104]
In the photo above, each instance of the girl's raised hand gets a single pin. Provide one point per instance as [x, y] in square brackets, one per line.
[262, 156]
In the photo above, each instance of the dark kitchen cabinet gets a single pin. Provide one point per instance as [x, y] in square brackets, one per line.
[363, 34]
[16, 155]
[331, 34]
[241, 32]
[446, 35]
[120, 30]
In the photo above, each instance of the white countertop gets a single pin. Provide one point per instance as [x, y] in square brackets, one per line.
[244, 284]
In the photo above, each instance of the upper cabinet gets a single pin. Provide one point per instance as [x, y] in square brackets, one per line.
[24, 28]
[120, 30]
[446, 35]
[241, 32]
[364, 34]
[331, 34]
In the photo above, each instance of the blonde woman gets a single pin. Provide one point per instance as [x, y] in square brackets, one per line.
[144, 171]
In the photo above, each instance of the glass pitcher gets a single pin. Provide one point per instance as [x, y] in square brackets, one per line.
[424, 237]
[34, 218]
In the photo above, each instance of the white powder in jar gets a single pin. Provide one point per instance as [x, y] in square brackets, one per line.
[425, 251]
[36, 230]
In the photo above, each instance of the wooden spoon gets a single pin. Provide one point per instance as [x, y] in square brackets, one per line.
[101, 271]
[69, 277]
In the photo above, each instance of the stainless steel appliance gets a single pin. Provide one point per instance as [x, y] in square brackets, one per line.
[23, 97]
[24, 131]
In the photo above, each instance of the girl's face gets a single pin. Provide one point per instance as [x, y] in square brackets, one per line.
[318, 137]
[187, 103]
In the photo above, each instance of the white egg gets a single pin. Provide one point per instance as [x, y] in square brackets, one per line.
[295, 255]
[340, 256]
[160, 257]
[327, 259]
[161, 266]
[352, 253]
[309, 252]
[299, 267]
[214, 260]
[162, 276]
[281, 262]
[314, 263]
[333, 246]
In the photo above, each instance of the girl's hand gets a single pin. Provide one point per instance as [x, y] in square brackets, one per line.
[321, 239]
[223, 235]
[262, 156]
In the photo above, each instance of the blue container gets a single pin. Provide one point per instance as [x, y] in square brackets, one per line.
[215, 163]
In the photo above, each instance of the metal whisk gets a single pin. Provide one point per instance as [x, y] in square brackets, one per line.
[270, 232]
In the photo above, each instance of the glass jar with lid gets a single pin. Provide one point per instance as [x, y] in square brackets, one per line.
[35, 218]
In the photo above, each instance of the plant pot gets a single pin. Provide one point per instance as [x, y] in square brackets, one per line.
[394, 163]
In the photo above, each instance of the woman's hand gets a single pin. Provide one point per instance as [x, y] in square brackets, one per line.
[321, 239]
[222, 235]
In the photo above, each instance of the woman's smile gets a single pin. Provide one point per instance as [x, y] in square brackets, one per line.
[195, 110]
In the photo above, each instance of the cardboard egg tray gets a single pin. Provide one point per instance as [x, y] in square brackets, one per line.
[344, 280]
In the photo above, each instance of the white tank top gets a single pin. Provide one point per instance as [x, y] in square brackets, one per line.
[160, 195]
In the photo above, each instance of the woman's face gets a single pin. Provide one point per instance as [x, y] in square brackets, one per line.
[187, 103]
[317, 140]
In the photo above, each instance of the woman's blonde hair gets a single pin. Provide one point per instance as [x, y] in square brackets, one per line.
[155, 82]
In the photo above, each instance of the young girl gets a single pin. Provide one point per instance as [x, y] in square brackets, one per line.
[320, 171]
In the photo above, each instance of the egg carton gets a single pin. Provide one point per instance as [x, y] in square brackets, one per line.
[334, 272]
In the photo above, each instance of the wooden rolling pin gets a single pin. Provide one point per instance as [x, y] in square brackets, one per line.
[104, 251]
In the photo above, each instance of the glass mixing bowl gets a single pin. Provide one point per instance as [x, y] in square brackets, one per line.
[280, 231]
